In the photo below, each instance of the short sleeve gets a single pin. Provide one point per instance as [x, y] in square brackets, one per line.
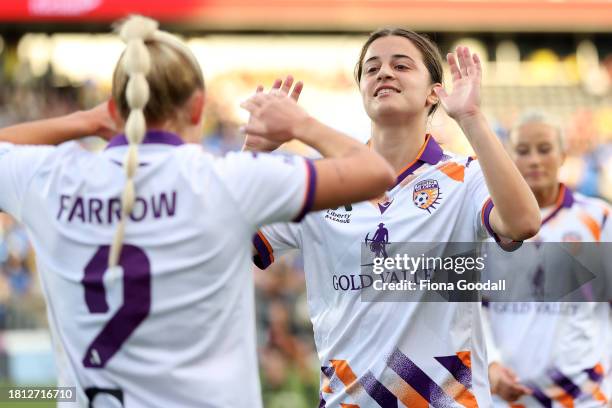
[482, 205]
[480, 200]
[269, 188]
[273, 240]
[18, 166]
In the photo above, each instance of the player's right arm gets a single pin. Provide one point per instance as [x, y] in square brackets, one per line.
[503, 381]
[356, 173]
[96, 121]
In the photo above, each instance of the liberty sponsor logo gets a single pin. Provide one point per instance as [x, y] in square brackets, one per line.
[343, 217]
[426, 195]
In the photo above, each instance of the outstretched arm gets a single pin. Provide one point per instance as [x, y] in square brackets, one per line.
[96, 121]
[516, 214]
[356, 173]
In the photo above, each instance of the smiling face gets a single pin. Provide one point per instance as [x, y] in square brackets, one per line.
[395, 84]
[537, 152]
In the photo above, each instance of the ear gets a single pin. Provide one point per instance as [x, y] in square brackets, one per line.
[432, 97]
[114, 113]
[196, 107]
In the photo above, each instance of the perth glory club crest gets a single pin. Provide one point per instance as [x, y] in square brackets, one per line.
[426, 195]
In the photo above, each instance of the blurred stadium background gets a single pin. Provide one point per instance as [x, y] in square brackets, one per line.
[57, 56]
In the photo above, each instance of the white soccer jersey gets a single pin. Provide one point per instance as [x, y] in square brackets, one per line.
[175, 326]
[390, 354]
[558, 349]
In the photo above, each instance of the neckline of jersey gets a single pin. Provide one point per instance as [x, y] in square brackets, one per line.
[565, 199]
[430, 153]
[151, 137]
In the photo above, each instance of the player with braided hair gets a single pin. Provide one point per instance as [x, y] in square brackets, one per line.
[164, 317]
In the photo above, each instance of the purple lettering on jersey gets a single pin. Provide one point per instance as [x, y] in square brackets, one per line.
[108, 210]
[95, 297]
[114, 207]
[95, 207]
[143, 206]
[77, 209]
[63, 198]
[158, 206]
[136, 301]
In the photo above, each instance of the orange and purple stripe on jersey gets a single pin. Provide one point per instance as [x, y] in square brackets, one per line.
[566, 392]
[309, 193]
[413, 387]
[265, 254]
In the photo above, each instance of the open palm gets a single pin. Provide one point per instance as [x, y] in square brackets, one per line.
[466, 71]
[262, 144]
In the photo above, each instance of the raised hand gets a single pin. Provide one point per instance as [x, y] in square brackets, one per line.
[259, 143]
[100, 122]
[466, 71]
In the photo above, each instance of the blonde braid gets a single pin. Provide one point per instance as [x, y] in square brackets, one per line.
[137, 64]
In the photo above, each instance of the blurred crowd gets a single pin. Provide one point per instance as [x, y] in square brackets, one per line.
[289, 366]
[21, 303]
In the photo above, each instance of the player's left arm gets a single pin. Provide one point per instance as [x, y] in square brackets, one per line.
[515, 214]
[93, 122]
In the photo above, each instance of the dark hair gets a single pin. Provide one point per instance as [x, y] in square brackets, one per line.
[429, 51]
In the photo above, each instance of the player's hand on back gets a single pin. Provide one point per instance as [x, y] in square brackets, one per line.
[258, 137]
[466, 71]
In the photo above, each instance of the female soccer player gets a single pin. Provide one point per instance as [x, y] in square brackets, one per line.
[144, 249]
[550, 353]
[389, 353]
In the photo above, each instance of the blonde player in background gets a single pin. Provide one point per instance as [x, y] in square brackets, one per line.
[550, 354]
[390, 354]
[144, 249]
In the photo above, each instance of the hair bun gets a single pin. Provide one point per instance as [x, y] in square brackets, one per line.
[138, 28]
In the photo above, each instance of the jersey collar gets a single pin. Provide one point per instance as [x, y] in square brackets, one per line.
[564, 200]
[151, 137]
[430, 153]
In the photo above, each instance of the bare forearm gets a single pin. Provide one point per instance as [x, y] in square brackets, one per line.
[517, 212]
[326, 140]
[48, 131]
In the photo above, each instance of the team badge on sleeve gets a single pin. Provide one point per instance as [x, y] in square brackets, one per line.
[426, 194]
